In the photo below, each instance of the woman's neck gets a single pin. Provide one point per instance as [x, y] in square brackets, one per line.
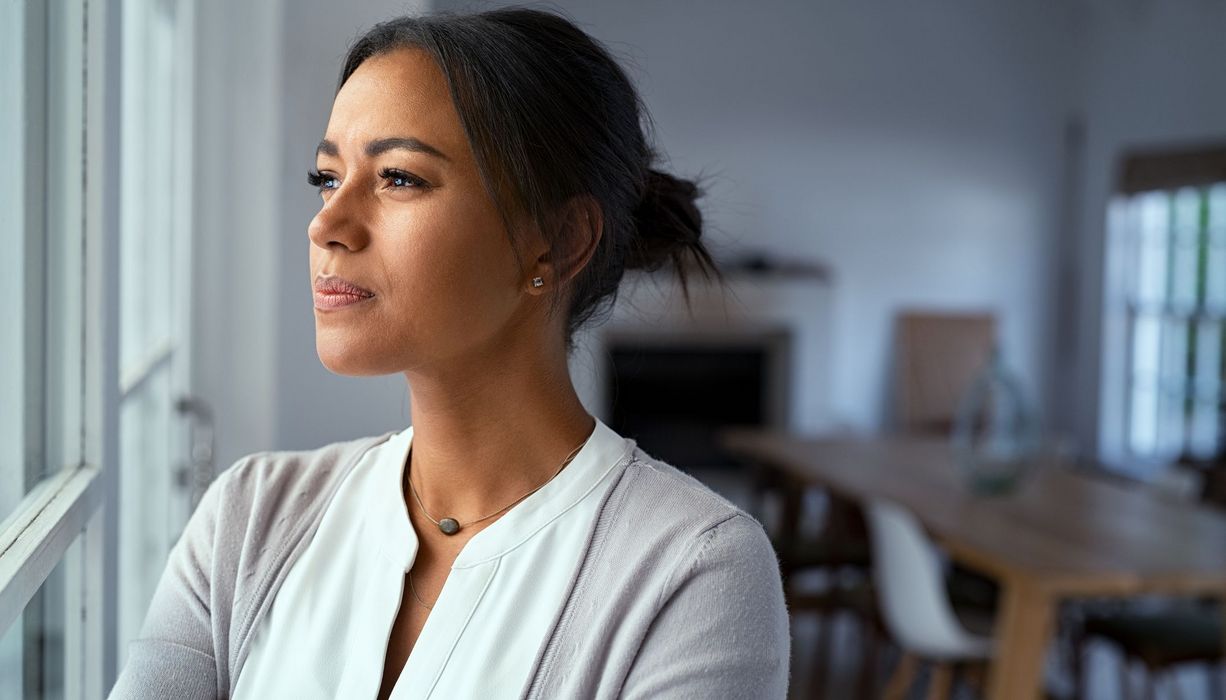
[482, 439]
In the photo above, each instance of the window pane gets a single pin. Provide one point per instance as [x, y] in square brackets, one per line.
[22, 30]
[1206, 385]
[148, 522]
[158, 474]
[63, 197]
[1185, 237]
[36, 649]
[1176, 277]
[1147, 344]
[1215, 287]
[1173, 382]
[1154, 226]
[41, 196]
[149, 293]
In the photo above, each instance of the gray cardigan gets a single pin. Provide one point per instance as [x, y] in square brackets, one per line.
[678, 594]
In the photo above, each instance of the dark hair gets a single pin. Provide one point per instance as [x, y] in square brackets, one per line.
[550, 116]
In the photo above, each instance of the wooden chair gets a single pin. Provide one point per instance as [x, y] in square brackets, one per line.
[1159, 640]
[937, 357]
[1163, 639]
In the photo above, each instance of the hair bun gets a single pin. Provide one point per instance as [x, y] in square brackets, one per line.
[668, 222]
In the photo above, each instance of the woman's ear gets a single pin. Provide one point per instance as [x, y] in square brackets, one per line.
[577, 232]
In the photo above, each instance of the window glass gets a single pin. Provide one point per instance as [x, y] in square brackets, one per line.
[1177, 322]
[35, 652]
[41, 230]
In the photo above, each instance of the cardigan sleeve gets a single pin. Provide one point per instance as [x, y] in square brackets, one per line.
[722, 628]
[173, 656]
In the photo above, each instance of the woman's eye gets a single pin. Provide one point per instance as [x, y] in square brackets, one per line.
[399, 178]
[322, 181]
[395, 178]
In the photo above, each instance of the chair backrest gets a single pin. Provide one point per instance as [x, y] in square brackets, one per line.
[1210, 474]
[910, 586]
[938, 356]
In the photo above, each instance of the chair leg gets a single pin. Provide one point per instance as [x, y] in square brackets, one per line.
[975, 673]
[817, 681]
[1147, 684]
[940, 682]
[902, 678]
[1171, 680]
[1077, 664]
[866, 685]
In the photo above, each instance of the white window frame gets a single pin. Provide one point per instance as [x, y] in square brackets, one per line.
[74, 501]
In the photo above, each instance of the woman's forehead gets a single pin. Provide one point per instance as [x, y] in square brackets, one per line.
[399, 94]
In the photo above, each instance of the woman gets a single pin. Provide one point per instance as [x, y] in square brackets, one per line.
[485, 181]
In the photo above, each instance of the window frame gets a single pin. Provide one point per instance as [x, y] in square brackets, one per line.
[73, 501]
[1141, 172]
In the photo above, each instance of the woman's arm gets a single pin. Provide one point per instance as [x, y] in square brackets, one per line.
[722, 630]
[174, 656]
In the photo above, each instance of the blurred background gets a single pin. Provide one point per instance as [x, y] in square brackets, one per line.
[969, 368]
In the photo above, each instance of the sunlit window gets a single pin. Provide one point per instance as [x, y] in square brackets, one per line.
[1176, 321]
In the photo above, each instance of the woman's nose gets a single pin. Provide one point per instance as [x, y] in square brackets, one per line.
[340, 221]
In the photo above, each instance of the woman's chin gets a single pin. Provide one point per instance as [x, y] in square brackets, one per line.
[346, 359]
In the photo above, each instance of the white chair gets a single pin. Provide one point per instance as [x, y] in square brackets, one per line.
[916, 609]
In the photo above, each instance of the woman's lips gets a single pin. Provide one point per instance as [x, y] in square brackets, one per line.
[333, 292]
[328, 301]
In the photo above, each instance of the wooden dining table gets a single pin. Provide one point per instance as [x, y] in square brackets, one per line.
[1063, 533]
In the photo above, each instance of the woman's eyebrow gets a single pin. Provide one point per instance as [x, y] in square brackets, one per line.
[380, 146]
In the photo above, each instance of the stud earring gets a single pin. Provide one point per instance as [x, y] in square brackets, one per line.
[538, 282]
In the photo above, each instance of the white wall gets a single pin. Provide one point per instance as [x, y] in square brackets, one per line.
[234, 256]
[916, 147]
[1155, 76]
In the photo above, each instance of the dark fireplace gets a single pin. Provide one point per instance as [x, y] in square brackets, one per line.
[673, 393]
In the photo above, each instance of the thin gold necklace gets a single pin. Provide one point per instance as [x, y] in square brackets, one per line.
[415, 596]
[450, 526]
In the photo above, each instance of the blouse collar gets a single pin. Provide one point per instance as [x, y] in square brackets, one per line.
[604, 451]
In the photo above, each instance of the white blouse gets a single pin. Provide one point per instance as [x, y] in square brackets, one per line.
[327, 631]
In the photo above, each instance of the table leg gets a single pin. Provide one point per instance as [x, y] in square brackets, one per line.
[1022, 634]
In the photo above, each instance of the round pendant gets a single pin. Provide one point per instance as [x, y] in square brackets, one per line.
[449, 526]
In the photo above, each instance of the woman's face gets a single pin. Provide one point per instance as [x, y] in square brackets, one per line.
[405, 216]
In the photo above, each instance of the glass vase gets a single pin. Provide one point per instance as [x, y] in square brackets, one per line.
[995, 435]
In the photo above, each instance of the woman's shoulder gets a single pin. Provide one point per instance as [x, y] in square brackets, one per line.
[274, 467]
[658, 516]
[679, 587]
[271, 494]
[293, 479]
[653, 491]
